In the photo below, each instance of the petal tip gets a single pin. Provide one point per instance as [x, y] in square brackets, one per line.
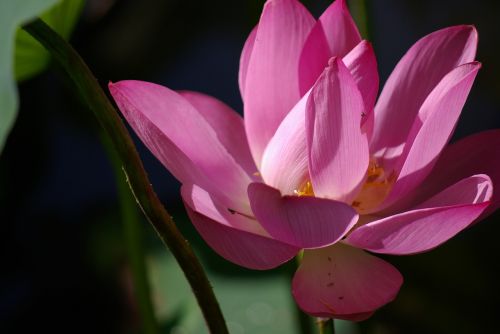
[470, 30]
[119, 85]
[471, 27]
[333, 63]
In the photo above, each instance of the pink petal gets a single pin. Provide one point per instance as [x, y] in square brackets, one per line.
[228, 126]
[432, 130]
[272, 86]
[338, 150]
[306, 221]
[334, 35]
[475, 189]
[362, 65]
[285, 163]
[428, 225]
[416, 75]
[476, 154]
[344, 282]
[246, 53]
[233, 236]
[182, 139]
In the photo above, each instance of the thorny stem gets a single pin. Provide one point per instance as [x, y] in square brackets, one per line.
[88, 88]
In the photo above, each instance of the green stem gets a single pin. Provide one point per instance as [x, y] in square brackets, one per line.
[303, 320]
[134, 242]
[325, 326]
[95, 98]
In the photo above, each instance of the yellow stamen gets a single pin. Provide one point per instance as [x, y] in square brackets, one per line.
[373, 192]
[305, 190]
[375, 189]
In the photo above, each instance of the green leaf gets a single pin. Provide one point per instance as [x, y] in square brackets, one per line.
[30, 56]
[12, 14]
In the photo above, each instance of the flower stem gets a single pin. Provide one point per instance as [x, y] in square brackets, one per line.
[88, 88]
[134, 242]
[325, 326]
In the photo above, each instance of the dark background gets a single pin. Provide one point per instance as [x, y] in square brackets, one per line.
[63, 258]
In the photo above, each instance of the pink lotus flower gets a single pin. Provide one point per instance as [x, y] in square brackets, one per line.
[316, 165]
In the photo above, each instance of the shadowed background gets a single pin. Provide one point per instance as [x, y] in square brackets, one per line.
[64, 263]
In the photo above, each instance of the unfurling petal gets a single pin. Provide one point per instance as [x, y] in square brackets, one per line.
[337, 148]
[285, 163]
[182, 139]
[271, 86]
[415, 76]
[432, 130]
[285, 160]
[344, 282]
[333, 35]
[429, 224]
[236, 237]
[306, 221]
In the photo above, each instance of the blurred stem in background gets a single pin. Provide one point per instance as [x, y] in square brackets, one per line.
[304, 321]
[358, 9]
[326, 326]
[133, 237]
[88, 88]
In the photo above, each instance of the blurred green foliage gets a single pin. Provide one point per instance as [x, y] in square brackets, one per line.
[30, 57]
[12, 14]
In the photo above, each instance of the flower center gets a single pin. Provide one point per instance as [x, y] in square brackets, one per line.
[373, 192]
[306, 189]
[375, 189]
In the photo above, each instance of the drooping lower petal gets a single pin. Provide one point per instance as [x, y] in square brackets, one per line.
[431, 131]
[181, 138]
[429, 224]
[333, 35]
[344, 282]
[272, 85]
[228, 126]
[415, 76]
[337, 148]
[306, 221]
[478, 153]
[236, 237]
